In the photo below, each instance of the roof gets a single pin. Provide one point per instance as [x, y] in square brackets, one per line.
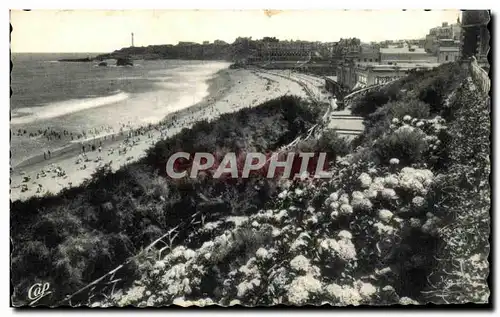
[400, 66]
[449, 49]
[402, 50]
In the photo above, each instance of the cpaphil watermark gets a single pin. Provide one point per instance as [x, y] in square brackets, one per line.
[244, 165]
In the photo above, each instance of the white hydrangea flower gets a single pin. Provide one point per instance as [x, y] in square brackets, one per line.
[276, 232]
[391, 181]
[418, 201]
[207, 245]
[344, 199]
[301, 288]
[250, 268]
[159, 265]
[344, 234]
[350, 296]
[133, 295]
[282, 214]
[334, 290]
[395, 120]
[367, 289]
[313, 219]
[394, 161]
[383, 229]
[419, 124]
[300, 263]
[363, 204]
[407, 301]
[357, 195]
[255, 224]
[189, 254]
[334, 206]
[345, 209]
[244, 287]
[407, 170]
[385, 215]
[388, 193]
[334, 215]
[407, 118]
[298, 296]
[262, 254]
[333, 196]
[181, 301]
[178, 252]
[369, 193]
[299, 192]
[301, 241]
[365, 180]
[345, 249]
[376, 186]
[415, 223]
[283, 194]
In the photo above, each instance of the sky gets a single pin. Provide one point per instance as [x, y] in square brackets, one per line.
[106, 31]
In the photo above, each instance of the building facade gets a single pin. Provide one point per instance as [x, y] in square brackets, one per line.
[445, 31]
[405, 54]
[475, 39]
[352, 76]
[448, 54]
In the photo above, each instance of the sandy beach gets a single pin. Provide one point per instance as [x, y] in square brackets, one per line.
[229, 91]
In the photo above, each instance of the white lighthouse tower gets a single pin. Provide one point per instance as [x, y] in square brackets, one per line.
[132, 37]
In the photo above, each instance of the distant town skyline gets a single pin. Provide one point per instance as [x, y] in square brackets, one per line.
[106, 31]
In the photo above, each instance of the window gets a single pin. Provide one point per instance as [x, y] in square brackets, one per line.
[365, 59]
[446, 58]
[370, 59]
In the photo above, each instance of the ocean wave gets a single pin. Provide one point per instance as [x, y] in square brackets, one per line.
[57, 109]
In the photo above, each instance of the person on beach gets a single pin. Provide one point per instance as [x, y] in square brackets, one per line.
[44, 155]
[48, 152]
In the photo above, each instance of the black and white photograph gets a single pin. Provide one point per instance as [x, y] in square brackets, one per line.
[250, 158]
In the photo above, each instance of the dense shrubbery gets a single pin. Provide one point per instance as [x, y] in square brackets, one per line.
[430, 87]
[374, 99]
[463, 201]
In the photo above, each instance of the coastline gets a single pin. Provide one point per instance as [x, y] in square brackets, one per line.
[229, 90]
[219, 84]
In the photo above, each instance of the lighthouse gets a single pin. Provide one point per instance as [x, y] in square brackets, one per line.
[132, 38]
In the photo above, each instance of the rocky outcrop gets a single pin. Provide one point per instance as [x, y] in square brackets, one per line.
[124, 62]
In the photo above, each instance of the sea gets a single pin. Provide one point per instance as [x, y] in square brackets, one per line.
[78, 97]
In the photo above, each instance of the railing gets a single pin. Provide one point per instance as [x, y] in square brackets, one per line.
[480, 77]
